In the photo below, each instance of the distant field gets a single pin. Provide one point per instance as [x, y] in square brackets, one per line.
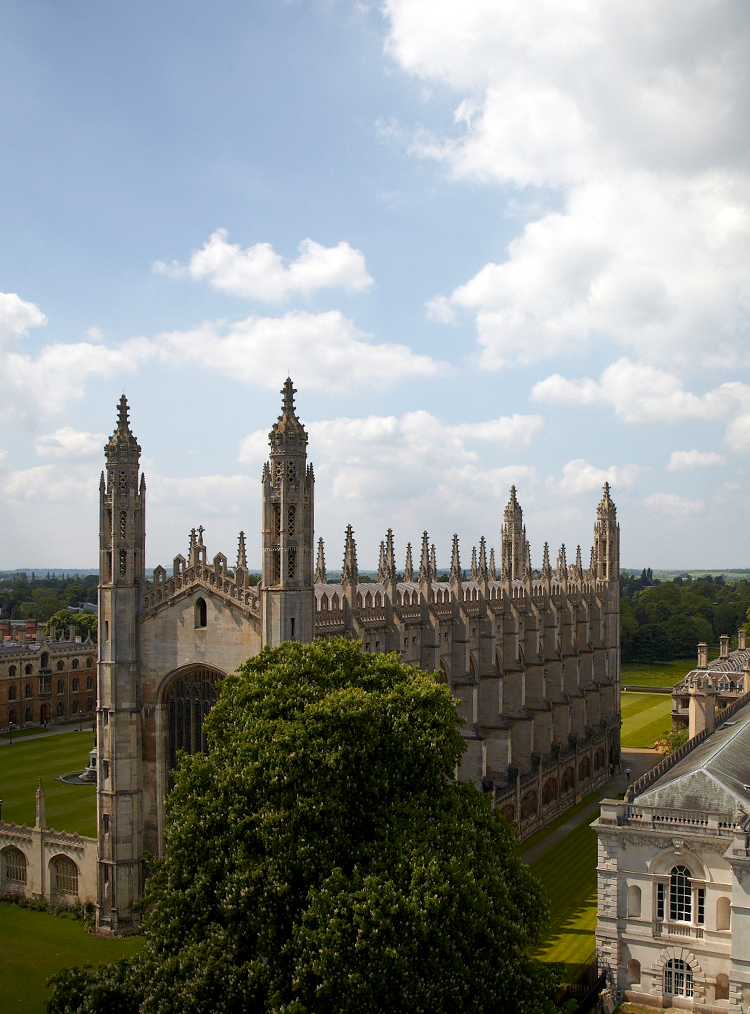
[645, 717]
[655, 674]
[568, 871]
[35, 945]
[69, 807]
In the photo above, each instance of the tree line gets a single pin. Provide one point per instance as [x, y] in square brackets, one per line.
[665, 620]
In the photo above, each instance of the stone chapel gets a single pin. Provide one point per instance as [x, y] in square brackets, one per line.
[532, 656]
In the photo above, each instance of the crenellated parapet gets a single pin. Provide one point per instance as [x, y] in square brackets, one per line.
[195, 572]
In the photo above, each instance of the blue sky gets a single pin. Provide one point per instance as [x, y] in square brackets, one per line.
[491, 242]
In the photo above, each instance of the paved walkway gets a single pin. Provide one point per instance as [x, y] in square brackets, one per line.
[639, 762]
[53, 730]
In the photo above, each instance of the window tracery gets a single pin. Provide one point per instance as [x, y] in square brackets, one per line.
[188, 699]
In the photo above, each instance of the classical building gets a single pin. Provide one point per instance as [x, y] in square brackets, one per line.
[729, 674]
[531, 655]
[674, 867]
[43, 680]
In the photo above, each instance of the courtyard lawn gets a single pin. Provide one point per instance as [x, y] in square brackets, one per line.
[69, 807]
[568, 872]
[645, 717]
[657, 674]
[35, 945]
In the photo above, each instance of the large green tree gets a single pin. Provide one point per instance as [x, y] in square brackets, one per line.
[323, 858]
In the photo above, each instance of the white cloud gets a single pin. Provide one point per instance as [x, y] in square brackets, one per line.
[632, 119]
[325, 348]
[673, 506]
[640, 393]
[694, 459]
[581, 477]
[259, 272]
[38, 385]
[69, 443]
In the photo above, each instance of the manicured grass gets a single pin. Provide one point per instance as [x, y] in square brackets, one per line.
[568, 872]
[645, 717]
[69, 807]
[35, 945]
[538, 836]
[656, 674]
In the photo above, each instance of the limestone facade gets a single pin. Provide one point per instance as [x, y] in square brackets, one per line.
[532, 656]
[674, 874]
[42, 863]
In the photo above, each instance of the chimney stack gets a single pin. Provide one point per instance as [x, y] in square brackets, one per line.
[742, 639]
[724, 646]
[703, 655]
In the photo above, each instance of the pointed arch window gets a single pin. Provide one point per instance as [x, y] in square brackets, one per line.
[201, 619]
[188, 700]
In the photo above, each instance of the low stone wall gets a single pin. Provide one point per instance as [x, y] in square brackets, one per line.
[42, 863]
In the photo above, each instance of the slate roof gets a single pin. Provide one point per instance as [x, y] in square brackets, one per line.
[714, 777]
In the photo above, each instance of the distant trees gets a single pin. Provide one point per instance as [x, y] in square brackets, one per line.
[84, 623]
[660, 621]
[42, 597]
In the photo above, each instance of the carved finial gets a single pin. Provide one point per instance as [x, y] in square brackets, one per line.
[409, 567]
[241, 558]
[192, 538]
[482, 568]
[433, 563]
[320, 568]
[474, 574]
[546, 568]
[492, 570]
[455, 575]
[201, 530]
[122, 414]
[381, 562]
[288, 392]
[390, 557]
[349, 571]
[41, 818]
[424, 563]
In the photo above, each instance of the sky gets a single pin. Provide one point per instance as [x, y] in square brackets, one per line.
[491, 243]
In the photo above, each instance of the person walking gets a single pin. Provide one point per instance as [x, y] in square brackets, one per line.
[627, 772]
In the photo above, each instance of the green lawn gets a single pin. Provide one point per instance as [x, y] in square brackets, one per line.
[69, 807]
[645, 717]
[35, 945]
[657, 674]
[534, 839]
[568, 872]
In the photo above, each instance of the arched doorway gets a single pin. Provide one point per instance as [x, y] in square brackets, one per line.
[187, 698]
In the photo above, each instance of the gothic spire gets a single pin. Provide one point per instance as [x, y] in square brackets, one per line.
[390, 557]
[482, 568]
[546, 568]
[433, 562]
[320, 568]
[474, 569]
[241, 558]
[381, 562]
[409, 567]
[455, 574]
[562, 564]
[424, 563]
[349, 571]
[579, 564]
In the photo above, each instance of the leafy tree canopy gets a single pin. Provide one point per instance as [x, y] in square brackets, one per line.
[84, 623]
[322, 857]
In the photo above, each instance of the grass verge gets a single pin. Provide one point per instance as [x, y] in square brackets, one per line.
[655, 674]
[540, 835]
[568, 872]
[69, 807]
[645, 717]
[35, 945]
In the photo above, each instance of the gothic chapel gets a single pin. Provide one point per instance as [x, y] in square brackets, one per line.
[532, 656]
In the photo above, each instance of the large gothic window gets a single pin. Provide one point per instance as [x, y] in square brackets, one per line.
[188, 699]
